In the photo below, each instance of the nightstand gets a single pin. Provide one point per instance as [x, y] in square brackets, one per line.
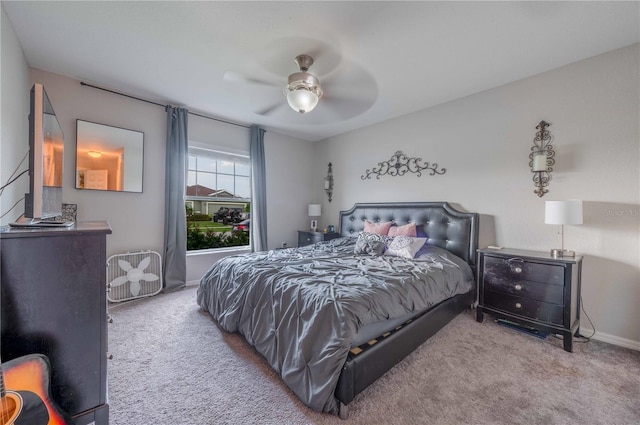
[308, 237]
[532, 289]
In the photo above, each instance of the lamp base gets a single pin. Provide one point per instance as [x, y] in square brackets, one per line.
[559, 253]
[314, 225]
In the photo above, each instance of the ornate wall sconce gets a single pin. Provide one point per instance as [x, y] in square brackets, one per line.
[541, 158]
[328, 182]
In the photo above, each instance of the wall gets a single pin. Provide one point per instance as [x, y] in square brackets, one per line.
[484, 141]
[14, 120]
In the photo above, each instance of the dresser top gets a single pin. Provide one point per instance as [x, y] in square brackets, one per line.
[80, 227]
[537, 255]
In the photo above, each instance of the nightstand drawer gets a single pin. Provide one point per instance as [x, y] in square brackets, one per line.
[546, 312]
[308, 238]
[525, 289]
[516, 269]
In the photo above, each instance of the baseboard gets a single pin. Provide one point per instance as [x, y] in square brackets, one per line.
[611, 339]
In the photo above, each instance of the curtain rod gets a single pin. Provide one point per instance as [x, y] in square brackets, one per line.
[82, 83]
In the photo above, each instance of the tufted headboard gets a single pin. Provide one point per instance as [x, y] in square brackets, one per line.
[439, 222]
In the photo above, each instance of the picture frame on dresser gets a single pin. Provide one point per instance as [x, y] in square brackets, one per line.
[531, 289]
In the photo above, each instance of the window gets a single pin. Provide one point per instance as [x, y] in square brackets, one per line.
[218, 199]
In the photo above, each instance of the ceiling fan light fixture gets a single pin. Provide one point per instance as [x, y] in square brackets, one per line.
[302, 100]
[303, 90]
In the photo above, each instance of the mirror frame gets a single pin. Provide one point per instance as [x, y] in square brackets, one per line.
[112, 141]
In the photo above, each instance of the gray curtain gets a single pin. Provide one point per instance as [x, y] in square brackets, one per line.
[175, 220]
[258, 190]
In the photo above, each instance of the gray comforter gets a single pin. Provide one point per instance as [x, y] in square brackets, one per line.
[301, 307]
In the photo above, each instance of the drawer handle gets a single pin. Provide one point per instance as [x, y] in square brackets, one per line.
[518, 269]
[518, 287]
[518, 305]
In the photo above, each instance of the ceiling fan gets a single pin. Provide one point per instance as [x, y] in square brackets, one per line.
[346, 90]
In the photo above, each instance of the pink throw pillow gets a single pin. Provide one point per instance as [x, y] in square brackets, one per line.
[406, 230]
[379, 228]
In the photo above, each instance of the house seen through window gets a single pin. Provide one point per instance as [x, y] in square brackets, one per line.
[218, 199]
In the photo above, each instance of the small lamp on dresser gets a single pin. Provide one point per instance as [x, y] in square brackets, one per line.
[315, 210]
[561, 213]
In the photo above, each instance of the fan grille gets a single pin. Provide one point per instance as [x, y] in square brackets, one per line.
[133, 275]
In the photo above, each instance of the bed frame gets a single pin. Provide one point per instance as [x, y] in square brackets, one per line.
[443, 226]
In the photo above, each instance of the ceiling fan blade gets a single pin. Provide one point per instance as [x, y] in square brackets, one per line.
[236, 77]
[271, 108]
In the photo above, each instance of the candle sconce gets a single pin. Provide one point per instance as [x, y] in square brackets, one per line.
[541, 158]
[328, 182]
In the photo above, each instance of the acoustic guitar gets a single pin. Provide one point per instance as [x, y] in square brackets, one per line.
[25, 400]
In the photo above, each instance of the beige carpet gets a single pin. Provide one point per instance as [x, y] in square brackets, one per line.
[173, 365]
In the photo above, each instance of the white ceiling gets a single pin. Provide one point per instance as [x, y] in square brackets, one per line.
[376, 60]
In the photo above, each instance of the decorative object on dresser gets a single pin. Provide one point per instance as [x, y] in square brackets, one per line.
[69, 212]
[561, 213]
[531, 289]
[54, 302]
[328, 182]
[309, 238]
[315, 210]
[541, 158]
[400, 164]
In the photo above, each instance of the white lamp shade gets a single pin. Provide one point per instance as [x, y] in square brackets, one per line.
[302, 100]
[315, 210]
[563, 212]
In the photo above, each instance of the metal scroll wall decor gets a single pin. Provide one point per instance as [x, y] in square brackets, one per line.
[328, 182]
[541, 159]
[400, 164]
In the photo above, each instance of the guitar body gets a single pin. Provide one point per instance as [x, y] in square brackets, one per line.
[26, 400]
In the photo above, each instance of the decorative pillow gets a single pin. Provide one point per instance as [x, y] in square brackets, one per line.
[379, 228]
[405, 246]
[406, 230]
[370, 244]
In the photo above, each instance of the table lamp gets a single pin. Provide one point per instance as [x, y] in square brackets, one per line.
[563, 212]
[315, 210]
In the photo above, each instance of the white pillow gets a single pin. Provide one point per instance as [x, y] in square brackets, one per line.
[404, 246]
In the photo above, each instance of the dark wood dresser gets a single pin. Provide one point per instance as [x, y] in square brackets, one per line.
[308, 237]
[532, 289]
[54, 303]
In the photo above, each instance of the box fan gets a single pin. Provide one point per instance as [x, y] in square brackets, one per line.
[133, 275]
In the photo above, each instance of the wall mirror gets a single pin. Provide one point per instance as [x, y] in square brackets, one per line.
[108, 158]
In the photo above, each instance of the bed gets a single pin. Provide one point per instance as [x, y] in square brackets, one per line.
[331, 321]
